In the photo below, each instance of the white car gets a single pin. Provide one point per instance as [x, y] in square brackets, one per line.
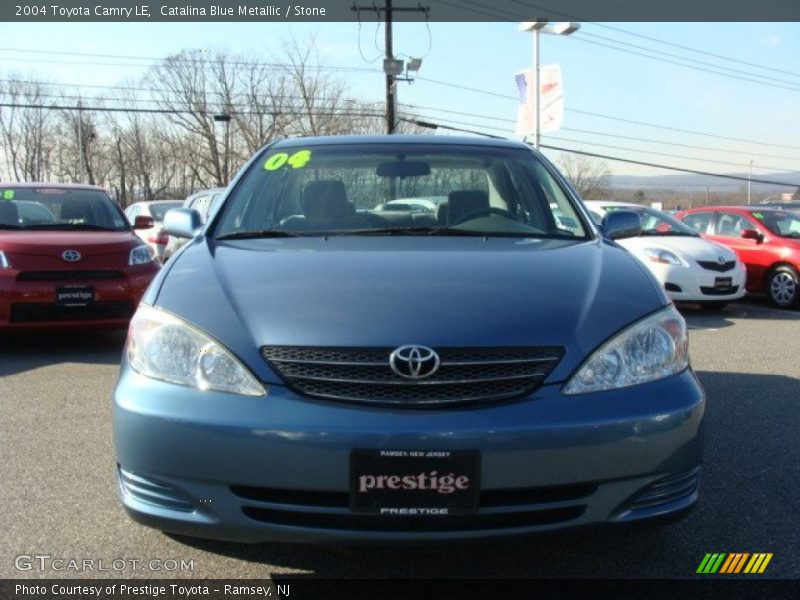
[690, 268]
[155, 236]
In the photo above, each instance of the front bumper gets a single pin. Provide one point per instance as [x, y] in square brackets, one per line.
[698, 285]
[277, 468]
[30, 305]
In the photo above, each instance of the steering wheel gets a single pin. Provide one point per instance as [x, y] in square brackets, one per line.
[491, 210]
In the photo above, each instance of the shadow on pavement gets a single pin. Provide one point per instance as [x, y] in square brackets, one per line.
[751, 482]
[758, 309]
[20, 352]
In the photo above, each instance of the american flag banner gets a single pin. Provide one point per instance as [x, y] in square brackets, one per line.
[551, 100]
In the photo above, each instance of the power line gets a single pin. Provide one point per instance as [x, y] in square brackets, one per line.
[434, 125]
[660, 54]
[655, 39]
[81, 107]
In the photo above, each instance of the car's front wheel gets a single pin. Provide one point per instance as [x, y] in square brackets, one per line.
[783, 286]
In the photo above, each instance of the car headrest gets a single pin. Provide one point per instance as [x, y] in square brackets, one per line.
[77, 209]
[9, 215]
[465, 202]
[326, 199]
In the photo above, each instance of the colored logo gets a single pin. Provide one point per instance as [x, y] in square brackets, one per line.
[734, 562]
[71, 255]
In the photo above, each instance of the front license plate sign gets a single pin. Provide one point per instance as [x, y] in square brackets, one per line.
[723, 283]
[74, 295]
[414, 482]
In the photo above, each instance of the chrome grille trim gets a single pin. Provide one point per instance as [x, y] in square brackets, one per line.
[363, 375]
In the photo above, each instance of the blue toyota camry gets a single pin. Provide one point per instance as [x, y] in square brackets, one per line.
[481, 361]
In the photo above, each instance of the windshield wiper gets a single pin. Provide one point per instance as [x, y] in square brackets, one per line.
[71, 227]
[443, 231]
[263, 233]
[9, 226]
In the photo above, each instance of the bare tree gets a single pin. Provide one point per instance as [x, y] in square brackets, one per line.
[26, 133]
[590, 177]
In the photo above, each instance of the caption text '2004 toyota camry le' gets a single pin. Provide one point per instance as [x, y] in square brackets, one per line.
[309, 368]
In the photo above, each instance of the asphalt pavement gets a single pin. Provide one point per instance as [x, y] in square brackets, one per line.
[58, 493]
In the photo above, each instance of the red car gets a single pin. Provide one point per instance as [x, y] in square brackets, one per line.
[68, 258]
[766, 239]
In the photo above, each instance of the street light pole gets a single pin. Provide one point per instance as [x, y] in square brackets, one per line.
[749, 176]
[537, 124]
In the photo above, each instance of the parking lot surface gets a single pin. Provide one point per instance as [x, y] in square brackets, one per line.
[58, 492]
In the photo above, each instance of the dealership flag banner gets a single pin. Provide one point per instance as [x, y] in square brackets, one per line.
[551, 100]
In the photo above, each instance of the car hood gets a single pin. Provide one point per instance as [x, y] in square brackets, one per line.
[48, 242]
[387, 292]
[695, 248]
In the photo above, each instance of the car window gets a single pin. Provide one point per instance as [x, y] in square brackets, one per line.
[345, 188]
[731, 225]
[34, 213]
[200, 204]
[157, 211]
[67, 209]
[133, 211]
[783, 223]
[656, 222]
[698, 221]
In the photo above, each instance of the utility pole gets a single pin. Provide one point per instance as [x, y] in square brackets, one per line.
[391, 90]
[390, 65]
[81, 165]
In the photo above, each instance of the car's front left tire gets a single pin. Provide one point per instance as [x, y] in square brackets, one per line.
[783, 286]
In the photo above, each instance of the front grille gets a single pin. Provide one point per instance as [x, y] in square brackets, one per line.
[667, 489]
[715, 266]
[104, 274]
[363, 375]
[355, 522]
[712, 291]
[43, 313]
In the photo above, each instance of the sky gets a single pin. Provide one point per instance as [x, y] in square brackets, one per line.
[753, 106]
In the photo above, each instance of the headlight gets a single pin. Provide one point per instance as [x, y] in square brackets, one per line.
[666, 257]
[141, 255]
[651, 349]
[4, 264]
[162, 346]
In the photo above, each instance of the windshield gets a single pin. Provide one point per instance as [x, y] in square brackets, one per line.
[351, 190]
[58, 209]
[779, 222]
[160, 209]
[656, 222]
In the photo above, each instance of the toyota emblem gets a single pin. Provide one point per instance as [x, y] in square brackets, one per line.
[414, 362]
[721, 260]
[71, 255]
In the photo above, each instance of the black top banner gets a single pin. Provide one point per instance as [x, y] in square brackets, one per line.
[402, 10]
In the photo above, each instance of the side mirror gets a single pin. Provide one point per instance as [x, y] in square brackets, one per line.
[752, 234]
[143, 222]
[619, 224]
[183, 222]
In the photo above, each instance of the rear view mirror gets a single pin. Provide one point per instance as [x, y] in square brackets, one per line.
[619, 224]
[143, 222]
[183, 222]
[403, 168]
[752, 234]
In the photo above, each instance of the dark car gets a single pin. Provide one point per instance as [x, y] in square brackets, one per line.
[766, 239]
[306, 369]
[68, 258]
